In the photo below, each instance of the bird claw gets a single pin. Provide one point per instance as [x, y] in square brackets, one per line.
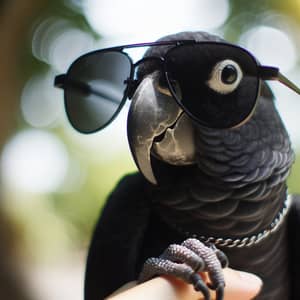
[200, 286]
[185, 261]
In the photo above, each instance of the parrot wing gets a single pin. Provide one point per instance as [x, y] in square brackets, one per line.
[117, 239]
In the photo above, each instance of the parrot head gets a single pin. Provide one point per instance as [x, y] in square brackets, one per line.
[196, 100]
[215, 89]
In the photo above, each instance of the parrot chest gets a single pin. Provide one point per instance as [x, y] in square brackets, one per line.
[186, 210]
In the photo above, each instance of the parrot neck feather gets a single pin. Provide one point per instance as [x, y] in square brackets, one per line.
[246, 241]
[238, 186]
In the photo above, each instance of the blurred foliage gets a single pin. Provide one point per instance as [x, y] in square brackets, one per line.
[81, 207]
[246, 14]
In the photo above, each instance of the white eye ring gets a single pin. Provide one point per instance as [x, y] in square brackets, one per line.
[216, 81]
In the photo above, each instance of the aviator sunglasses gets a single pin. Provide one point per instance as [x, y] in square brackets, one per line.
[216, 84]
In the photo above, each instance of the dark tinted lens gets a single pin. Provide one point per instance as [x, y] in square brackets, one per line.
[94, 89]
[190, 67]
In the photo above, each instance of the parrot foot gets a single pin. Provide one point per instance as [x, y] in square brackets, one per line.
[185, 261]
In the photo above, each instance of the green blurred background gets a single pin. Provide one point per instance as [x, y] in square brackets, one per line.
[54, 180]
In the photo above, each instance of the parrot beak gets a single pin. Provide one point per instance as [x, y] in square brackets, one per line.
[152, 112]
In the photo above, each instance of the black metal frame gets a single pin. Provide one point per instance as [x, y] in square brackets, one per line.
[62, 80]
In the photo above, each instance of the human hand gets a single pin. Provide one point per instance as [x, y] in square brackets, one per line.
[239, 286]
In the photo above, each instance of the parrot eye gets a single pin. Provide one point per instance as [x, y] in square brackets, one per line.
[225, 77]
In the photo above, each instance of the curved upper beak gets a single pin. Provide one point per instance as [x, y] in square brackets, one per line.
[152, 111]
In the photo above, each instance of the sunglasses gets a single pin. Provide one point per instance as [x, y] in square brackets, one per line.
[215, 84]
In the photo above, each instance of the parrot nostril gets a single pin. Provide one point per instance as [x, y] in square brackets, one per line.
[160, 137]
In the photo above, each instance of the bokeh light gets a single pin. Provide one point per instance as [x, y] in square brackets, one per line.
[271, 46]
[34, 161]
[41, 106]
[148, 20]
[57, 42]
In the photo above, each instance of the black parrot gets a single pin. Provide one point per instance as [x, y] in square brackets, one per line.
[224, 187]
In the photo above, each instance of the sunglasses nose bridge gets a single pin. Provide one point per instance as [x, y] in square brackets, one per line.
[136, 75]
[132, 85]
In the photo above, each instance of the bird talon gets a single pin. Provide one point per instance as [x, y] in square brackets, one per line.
[222, 258]
[220, 293]
[219, 288]
[200, 286]
[185, 261]
[220, 254]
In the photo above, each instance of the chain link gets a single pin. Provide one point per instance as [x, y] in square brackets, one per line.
[246, 241]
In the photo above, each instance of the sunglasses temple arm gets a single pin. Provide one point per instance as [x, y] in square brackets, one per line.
[61, 82]
[272, 73]
[281, 78]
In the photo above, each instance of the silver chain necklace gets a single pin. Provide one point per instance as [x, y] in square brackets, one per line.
[247, 241]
